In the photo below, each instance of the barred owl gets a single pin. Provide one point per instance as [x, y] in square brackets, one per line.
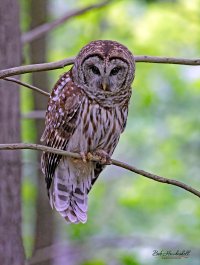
[87, 112]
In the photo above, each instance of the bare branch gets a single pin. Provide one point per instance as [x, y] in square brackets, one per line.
[61, 64]
[113, 162]
[27, 85]
[35, 68]
[46, 27]
[166, 60]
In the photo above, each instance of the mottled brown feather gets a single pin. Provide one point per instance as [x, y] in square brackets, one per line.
[64, 106]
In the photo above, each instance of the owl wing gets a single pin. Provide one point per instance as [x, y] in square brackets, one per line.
[60, 123]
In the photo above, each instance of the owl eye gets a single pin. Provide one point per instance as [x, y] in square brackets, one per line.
[115, 70]
[95, 70]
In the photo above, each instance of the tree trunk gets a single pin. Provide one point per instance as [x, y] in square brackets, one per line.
[38, 50]
[11, 248]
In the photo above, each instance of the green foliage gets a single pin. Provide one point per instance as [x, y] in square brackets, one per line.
[28, 198]
[129, 260]
[94, 262]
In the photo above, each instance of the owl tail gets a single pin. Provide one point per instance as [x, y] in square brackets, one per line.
[68, 195]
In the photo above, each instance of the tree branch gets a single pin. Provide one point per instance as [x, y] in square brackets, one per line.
[166, 60]
[27, 85]
[113, 162]
[46, 27]
[36, 68]
[61, 64]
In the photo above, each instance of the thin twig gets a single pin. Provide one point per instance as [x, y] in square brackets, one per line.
[113, 162]
[27, 85]
[46, 27]
[61, 64]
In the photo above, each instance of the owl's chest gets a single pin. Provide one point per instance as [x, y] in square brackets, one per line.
[97, 128]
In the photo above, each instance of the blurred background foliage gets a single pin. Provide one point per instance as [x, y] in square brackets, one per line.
[130, 216]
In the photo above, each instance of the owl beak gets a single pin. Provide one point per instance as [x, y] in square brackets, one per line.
[105, 83]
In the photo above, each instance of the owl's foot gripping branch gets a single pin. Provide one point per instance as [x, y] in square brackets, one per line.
[141, 172]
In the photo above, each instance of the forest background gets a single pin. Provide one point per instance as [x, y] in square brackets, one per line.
[129, 216]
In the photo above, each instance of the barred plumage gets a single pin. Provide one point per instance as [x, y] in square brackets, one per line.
[87, 112]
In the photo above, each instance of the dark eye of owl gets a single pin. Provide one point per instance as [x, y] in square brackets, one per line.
[95, 70]
[115, 70]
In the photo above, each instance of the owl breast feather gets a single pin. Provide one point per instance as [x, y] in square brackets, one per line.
[97, 128]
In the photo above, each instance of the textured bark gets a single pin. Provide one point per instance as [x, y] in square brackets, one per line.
[38, 50]
[11, 248]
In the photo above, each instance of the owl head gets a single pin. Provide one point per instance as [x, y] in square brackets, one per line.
[104, 66]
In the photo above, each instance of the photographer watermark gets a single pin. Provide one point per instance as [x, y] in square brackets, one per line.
[171, 254]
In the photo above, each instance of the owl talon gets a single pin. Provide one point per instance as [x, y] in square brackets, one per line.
[84, 157]
[100, 155]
